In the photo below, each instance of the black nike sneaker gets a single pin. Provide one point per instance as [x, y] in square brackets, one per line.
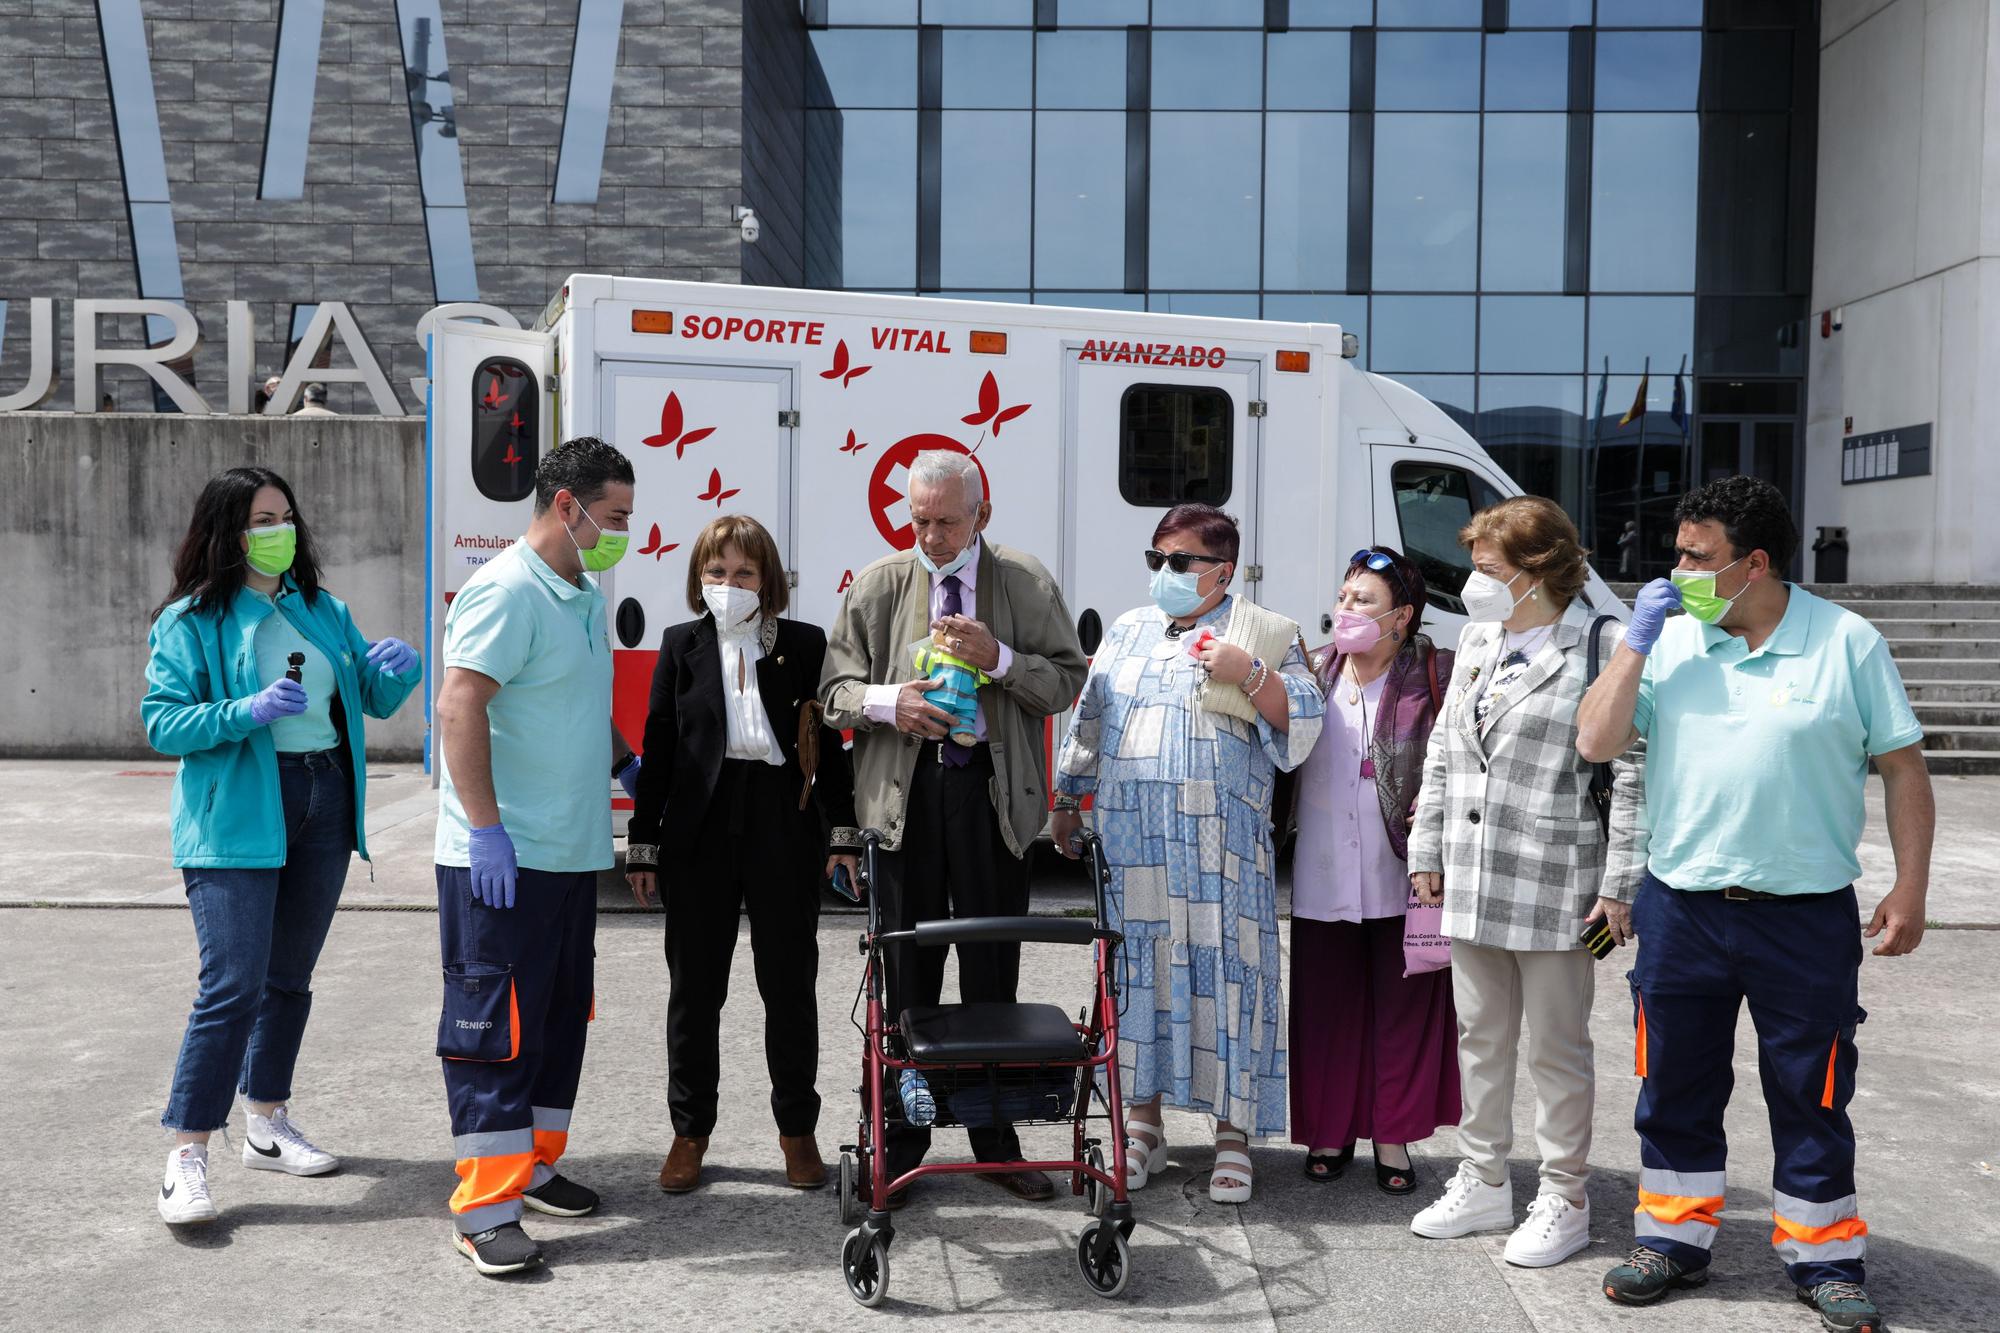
[504, 1249]
[1646, 1275]
[559, 1196]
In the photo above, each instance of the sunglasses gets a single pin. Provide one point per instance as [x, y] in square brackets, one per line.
[1179, 561]
[1368, 558]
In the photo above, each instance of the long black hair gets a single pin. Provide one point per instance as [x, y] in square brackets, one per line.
[210, 566]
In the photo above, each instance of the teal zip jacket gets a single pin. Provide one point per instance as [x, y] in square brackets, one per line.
[201, 672]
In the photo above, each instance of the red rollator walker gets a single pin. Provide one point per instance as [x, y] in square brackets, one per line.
[990, 1063]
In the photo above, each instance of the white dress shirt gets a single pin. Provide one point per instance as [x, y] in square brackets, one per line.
[878, 704]
[750, 732]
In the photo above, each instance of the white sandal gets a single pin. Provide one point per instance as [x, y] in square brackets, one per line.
[1145, 1152]
[1231, 1164]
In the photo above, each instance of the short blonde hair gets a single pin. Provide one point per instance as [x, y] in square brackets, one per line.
[749, 536]
[1537, 538]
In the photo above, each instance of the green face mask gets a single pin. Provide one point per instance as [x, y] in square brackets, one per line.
[1698, 597]
[271, 550]
[610, 548]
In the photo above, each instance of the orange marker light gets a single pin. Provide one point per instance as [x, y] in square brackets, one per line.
[989, 344]
[1299, 362]
[652, 321]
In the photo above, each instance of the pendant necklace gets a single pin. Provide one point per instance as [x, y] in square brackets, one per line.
[1519, 656]
[1354, 697]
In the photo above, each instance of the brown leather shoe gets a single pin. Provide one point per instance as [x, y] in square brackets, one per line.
[682, 1171]
[1033, 1186]
[803, 1168]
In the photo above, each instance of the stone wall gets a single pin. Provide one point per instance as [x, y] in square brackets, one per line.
[673, 167]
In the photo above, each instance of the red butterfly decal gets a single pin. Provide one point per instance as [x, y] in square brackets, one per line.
[671, 421]
[492, 398]
[990, 409]
[653, 546]
[840, 369]
[852, 446]
[715, 491]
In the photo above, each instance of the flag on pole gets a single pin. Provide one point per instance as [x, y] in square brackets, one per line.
[1679, 411]
[1638, 408]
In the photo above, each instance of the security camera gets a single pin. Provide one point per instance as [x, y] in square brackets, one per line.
[747, 225]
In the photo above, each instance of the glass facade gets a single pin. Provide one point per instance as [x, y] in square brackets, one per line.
[1573, 224]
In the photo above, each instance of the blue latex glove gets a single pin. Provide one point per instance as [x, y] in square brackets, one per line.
[1649, 612]
[283, 697]
[392, 657]
[628, 778]
[494, 869]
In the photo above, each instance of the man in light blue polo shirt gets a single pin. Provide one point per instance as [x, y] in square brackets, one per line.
[1761, 709]
[524, 825]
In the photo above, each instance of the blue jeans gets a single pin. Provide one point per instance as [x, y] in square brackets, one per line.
[260, 933]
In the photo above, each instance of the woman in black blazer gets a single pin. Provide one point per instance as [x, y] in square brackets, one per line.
[741, 791]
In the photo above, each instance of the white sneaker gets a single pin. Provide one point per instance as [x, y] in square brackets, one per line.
[274, 1143]
[1555, 1229]
[184, 1192]
[1469, 1204]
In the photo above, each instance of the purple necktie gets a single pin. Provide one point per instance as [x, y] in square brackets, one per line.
[951, 752]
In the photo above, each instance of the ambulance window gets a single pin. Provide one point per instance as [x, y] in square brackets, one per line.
[1434, 501]
[506, 429]
[1174, 445]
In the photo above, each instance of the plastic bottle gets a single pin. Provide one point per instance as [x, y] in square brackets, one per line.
[919, 1108]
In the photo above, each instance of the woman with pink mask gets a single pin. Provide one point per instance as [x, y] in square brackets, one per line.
[1374, 1052]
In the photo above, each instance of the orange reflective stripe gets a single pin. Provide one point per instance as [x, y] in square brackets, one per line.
[490, 1180]
[1832, 1056]
[593, 1008]
[514, 1019]
[1847, 1228]
[1639, 1049]
[549, 1145]
[1671, 1208]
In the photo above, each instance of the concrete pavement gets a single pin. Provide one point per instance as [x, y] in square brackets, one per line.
[96, 1001]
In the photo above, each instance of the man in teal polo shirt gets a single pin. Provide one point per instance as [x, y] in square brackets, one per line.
[1761, 709]
[524, 825]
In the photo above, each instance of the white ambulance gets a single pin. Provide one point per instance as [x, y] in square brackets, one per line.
[805, 408]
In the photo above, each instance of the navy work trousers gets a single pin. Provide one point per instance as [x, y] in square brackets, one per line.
[1797, 962]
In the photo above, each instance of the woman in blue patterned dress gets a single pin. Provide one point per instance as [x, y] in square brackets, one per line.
[1191, 707]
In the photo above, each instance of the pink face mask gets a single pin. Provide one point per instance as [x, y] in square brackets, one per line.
[1354, 632]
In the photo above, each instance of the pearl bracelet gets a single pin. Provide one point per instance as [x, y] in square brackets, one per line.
[1259, 674]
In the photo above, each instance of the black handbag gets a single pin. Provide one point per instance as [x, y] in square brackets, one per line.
[1600, 774]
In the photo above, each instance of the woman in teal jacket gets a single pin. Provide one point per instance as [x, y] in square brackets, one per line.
[258, 680]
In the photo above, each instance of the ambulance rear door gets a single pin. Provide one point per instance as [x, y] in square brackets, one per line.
[704, 440]
[488, 420]
[1137, 440]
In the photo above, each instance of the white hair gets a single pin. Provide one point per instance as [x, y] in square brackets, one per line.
[936, 467]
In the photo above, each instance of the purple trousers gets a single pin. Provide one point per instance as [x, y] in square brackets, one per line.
[1373, 1054]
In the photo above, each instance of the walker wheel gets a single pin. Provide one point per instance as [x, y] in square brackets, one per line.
[864, 1262]
[843, 1190]
[1095, 1196]
[1104, 1274]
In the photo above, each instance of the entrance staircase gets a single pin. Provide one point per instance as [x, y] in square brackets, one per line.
[1946, 641]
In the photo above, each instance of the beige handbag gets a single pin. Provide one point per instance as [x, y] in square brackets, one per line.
[1260, 633]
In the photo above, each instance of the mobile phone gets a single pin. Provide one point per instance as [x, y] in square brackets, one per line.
[843, 884]
[1597, 938]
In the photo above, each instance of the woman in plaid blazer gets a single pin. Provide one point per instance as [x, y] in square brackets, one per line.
[1507, 833]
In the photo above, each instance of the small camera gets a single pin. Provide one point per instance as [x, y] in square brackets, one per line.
[747, 225]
